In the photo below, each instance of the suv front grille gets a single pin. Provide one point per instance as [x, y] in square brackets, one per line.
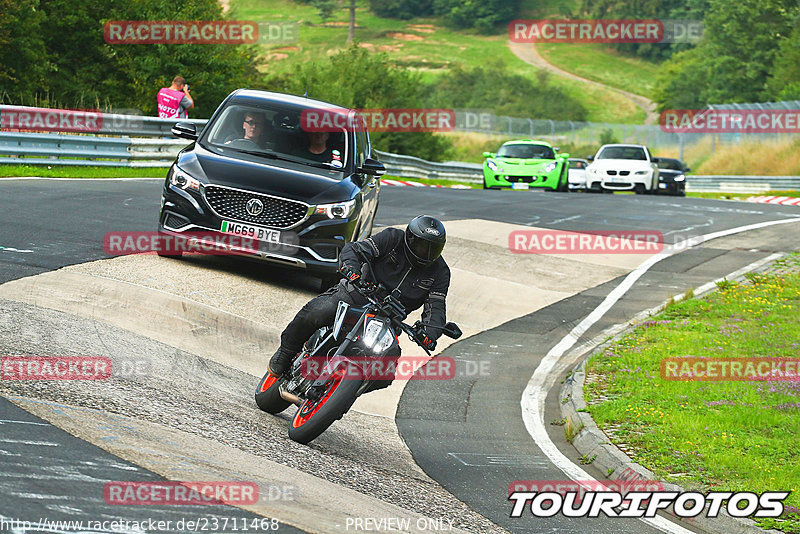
[277, 212]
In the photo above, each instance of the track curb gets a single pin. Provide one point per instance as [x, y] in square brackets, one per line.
[590, 441]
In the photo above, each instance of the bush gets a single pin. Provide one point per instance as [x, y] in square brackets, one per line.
[494, 88]
[483, 15]
[401, 9]
[357, 78]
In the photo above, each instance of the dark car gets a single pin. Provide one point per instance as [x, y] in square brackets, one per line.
[672, 176]
[252, 172]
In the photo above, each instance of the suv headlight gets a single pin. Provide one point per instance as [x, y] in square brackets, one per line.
[680, 178]
[182, 179]
[550, 167]
[640, 173]
[340, 210]
[492, 165]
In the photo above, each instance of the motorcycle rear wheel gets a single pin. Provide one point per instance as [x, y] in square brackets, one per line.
[312, 419]
[268, 398]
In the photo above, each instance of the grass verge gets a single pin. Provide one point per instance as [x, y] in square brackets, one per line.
[734, 436]
[76, 171]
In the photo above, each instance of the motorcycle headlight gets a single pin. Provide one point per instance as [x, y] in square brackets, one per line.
[680, 178]
[373, 330]
[550, 166]
[640, 173]
[384, 342]
[182, 179]
[340, 210]
[492, 165]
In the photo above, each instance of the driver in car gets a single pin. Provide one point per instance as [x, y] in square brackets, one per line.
[409, 261]
[253, 127]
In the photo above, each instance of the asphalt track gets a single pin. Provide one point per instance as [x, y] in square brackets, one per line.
[466, 434]
[49, 476]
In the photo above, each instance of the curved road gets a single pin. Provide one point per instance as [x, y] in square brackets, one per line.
[467, 434]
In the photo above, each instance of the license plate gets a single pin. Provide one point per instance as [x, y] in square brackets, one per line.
[519, 185]
[662, 186]
[255, 232]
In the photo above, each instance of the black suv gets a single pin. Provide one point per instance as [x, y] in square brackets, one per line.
[672, 176]
[254, 170]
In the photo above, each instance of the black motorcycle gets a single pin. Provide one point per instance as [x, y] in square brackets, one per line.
[338, 354]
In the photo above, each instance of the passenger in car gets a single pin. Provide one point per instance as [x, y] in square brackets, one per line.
[316, 148]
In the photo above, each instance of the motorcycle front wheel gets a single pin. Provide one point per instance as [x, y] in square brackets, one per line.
[313, 418]
[268, 398]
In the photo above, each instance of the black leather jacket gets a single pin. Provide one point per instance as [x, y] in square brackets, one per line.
[418, 286]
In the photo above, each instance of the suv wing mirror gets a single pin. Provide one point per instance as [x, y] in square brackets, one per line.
[372, 167]
[185, 130]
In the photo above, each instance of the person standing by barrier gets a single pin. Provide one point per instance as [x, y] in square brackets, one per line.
[175, 101]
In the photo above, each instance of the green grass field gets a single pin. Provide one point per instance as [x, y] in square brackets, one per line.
[721, 435]
[603, 64]
[422, 44]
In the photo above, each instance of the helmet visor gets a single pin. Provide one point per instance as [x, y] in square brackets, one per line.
[425, 251]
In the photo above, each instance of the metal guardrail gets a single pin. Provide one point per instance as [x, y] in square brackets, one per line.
[411, 167]
[87, 150]
[147, 142]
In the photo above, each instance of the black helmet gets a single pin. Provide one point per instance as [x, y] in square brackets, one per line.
[425, 238]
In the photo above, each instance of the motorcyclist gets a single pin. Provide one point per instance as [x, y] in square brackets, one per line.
[408, 260]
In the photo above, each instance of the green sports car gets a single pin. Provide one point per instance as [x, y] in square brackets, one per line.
[525, 164]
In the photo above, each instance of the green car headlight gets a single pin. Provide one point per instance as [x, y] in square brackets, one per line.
[550, 167]
[492, 165]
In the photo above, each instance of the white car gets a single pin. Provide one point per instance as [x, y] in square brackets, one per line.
[577, 173]
[623, 168]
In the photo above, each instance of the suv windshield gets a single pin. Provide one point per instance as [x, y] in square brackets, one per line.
[670, 164]
[275, 132]
[526, 152]
[622, 152]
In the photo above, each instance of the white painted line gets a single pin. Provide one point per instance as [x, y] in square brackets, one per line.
[10, 249]
[565, 219]
[533, 398]
[27, 442]
[5, 421]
